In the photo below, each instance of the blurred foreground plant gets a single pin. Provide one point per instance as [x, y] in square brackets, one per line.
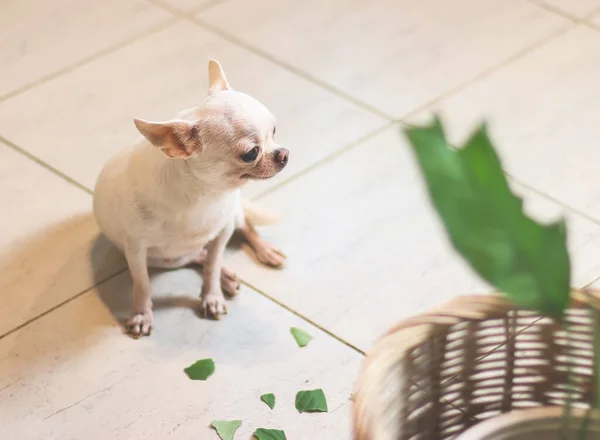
[486, 224]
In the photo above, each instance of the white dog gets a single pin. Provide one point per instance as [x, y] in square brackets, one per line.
[174, 198]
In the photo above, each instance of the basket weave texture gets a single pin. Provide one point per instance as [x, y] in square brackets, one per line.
[435, 375]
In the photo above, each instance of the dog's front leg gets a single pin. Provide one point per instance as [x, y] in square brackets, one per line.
[140, 323]
[213, 301]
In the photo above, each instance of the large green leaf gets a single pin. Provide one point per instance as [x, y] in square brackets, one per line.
[486, 223]
[311, 401]
[226, 428]
[269, 434]
[200, 370]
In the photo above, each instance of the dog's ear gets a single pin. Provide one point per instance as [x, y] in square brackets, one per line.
[216, 78]
[174, 138]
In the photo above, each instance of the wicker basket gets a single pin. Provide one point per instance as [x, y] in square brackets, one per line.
[435, 375]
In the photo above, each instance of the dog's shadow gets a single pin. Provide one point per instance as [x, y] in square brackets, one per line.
[177, 306]
[178, 318]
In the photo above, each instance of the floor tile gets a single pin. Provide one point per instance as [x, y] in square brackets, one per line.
[543, 113]
[87, 115]
[578, 8]
[49, 246]
[39, 37]
[396, 55]
[73, 369]
[366, 250]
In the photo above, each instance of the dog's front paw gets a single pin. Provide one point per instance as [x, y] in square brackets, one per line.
[269, 255]
[140, 324]
[213, 305]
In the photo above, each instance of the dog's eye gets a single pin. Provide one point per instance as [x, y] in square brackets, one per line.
[251, 155]
[274, 131]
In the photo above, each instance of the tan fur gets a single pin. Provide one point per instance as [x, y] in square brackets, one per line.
[174, 198]
[257, 216]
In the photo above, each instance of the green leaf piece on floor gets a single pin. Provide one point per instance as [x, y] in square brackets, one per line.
[486, 223]
[311, 401]
[302, 337]
[201, 370]
[269, 399]
[226, 428]
[269, 434]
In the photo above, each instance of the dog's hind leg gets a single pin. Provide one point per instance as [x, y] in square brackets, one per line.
[265, 252]
[247, 216]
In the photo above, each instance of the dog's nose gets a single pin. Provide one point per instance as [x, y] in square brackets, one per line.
[282, 155]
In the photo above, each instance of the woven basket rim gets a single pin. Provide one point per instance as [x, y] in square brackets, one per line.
[409, 333]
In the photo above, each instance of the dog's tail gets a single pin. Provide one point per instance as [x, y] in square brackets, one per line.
[256, 215]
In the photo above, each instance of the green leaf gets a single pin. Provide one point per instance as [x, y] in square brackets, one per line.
[269, 399]
[311, 401]
[486, 223]
[226, 428]
[269, 434]
[201, 370]
[302, 338]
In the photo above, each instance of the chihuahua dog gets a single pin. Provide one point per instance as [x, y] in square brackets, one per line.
[174, 198]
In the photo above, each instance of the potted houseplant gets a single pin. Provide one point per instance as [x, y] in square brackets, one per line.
[505, 366]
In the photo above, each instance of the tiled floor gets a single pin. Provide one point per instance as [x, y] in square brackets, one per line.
[365, 249]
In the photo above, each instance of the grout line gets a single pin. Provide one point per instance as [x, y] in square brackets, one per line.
[585, 20]
[173, 10]
[588, 285]
[265, 55]
[56, 306]
[555, 10]
[291, 68]
[305, 318]
[206, 6]
[326, 159]
[45, 165]
[490, 71]
[553, 199]
[590, 15]
[592, 26]
[341, 93]
[178, 12]
[89, 59]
